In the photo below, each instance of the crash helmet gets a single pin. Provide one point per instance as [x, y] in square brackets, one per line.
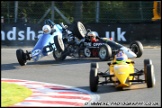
[49, 22]
[92, 36]
[46, 29]
[121, 57]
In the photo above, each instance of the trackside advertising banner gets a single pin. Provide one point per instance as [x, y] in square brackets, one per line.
[19, 34]
[126, 33]
[23, 34]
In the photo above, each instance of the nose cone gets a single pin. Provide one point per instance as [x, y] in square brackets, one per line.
[128, 52]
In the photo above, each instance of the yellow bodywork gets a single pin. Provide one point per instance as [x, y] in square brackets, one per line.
[122, 73]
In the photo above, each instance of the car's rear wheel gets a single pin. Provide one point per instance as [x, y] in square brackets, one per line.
[59, 43]
[105, 52]
[58, 56]
[137, 48]
[21, 57]
[79, 30]
[93, 79]
[150, 76]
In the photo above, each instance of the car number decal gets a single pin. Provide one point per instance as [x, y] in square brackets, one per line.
[97, 44]
[36, 52]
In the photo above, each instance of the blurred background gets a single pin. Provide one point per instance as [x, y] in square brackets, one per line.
[124, 21]
[86, 11]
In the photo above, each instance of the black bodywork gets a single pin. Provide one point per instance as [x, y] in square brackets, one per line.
[72, 48]
[94, 47]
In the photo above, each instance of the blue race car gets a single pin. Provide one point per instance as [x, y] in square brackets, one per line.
[46, 44]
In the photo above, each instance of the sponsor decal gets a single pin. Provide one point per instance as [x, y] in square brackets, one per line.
[97, 44]
[119, 35]
[36, 52]
[17, 34]
[29, 33]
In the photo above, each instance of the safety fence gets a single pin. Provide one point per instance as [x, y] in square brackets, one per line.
[34, 12]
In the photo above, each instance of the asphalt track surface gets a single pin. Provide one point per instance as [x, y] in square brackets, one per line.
[74, 74]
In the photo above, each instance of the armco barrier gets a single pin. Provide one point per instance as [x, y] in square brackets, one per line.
[23, 34]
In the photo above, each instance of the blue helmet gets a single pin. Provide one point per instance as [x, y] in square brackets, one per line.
[49, 22]
[121, 57]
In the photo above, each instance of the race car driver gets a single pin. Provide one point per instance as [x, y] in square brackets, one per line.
[121, 58]
[51, 24]
[92, 36]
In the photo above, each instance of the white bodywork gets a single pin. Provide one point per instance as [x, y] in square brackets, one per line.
[128, 52]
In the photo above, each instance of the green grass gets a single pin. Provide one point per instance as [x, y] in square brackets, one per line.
[13, 93]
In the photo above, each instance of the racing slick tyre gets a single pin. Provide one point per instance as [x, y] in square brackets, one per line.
[21, 57]
[137, 48]
[87, 52]
[146, 61]
[93, 79]
[58, 56]
[59, 43]
[105, 52]
[94, 65]
[79, 30]
[150, 76]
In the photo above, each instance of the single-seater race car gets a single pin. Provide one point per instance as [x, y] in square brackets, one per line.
[121, 73]
[46, 44]
[78, 45]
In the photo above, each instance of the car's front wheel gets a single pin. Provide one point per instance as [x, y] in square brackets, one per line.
[93, 80]
[21, 57]
[94, 65]
[146, 62]
[87, 52]
[150, 76]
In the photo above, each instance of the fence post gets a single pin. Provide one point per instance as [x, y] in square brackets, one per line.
[16, 11]
[141, 10]
[52, 10]
[97, 10]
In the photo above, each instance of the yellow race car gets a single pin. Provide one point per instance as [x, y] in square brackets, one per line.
[121, 74]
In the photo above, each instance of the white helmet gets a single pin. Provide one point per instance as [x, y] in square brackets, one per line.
[92, 34]
[46, 29]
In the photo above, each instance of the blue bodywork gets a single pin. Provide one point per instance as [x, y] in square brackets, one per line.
[45, 45]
